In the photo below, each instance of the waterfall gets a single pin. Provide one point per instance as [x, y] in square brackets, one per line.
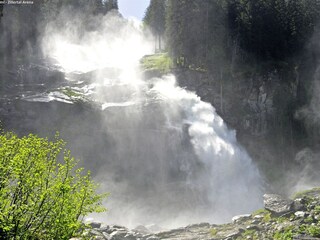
[171, 160]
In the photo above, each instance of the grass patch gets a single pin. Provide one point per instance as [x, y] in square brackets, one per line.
[310, 193]
[213, 232]
[261, 211]
[314, 231]
[250, 234]
[160, 62]
[74, 95]
[286, 234]
[267, 217]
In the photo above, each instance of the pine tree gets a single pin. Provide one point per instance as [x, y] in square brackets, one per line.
[111, 5]
[155, 19]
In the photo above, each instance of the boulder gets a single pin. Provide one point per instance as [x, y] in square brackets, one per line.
[142, 229]
[95, 224]
[299, 204]
[241, 218]
[300, 214]
[277, 204]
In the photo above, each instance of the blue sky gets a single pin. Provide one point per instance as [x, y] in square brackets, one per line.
[133, 8]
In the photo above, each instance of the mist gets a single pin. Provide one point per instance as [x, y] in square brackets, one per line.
[168, 158]
[308, 157]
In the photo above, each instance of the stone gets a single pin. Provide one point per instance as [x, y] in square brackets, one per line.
[277, 204]
[118, 235]
[141, 229]
[106, 235]
[298, 204]
[300, 214]
[241, 218]
[255, 221]
[153, 238]
[235, 233]
[253, 227]
[95, 224]
[259, 217]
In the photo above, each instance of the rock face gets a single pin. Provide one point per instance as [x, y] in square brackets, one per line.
[276, 204]
[257, 106]
[263, 224]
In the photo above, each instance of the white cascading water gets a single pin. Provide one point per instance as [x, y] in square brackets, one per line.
[172, 160]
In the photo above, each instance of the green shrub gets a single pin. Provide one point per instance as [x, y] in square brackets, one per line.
[42, 197]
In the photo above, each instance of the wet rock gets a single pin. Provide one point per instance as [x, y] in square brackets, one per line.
[241, 218]
[300, 214]
[299, 204]
[152, 238]
[154, 228]
[106, 235]
[277, 204]
[142, 229]
[95, 224]
[235, 233]
[304, 237]
[253, 227]
[259, 217]
[118, 235]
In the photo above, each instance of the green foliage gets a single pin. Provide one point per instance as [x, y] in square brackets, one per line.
[74, 95]
[267, 217]
[196, 32]
[290, 231]
[273, 29]
[213, 232]
[42, 197]
[261, 211]
[307, 193]
[250, 234]
[215, 34]
[160, 62]
[313, 231]
[286, 234]
[317, 209]
[155, 19]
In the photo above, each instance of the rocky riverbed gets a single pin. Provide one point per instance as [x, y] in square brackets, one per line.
[296, 218]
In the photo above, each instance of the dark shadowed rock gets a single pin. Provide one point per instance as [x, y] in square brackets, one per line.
[277, 204]
[95, 224]
[299, 204]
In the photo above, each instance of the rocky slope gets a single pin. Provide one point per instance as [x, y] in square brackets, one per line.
[281, 219]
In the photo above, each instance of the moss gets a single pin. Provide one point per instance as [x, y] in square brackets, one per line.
[267, 217]
[213, 232]
[160, 62]
[261, 211]
[313, 231]
[249, 233]
[282, 219]
[74, 95]
[285, 234]
[308, 220]
[71, 93]
[307, 193]
[317, 209]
